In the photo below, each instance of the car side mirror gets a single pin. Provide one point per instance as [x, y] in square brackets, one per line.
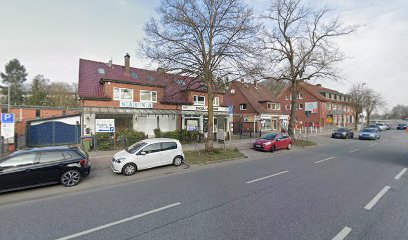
[142, 153]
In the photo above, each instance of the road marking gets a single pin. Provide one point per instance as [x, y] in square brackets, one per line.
[262, 178]
[118, 222]
[373, 144]
[355, 150]
[399, 175]
[377, 198]
[342, 234]
[386, 140]
[324, 160]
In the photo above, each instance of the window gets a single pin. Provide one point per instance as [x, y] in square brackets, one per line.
[287, 106]
[290, 97]
[150, 78]
[122, 94]
[169, 146]
[180, 82]
[287, 97]
[328, 105]
[300, 96]
[199, 100]
[38, 113]
[134, 75]
[51, 157]
[71, 155]
[216, 101]
[242, 106]
[19, 160]
[101, 71]
[278, 106]
[270, 106]
[300, 105]
[148, 96]
[152, 148]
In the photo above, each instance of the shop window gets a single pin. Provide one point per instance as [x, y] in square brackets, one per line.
[122, 94]
[216, 101]
[328, 106]
[148, 96]
[199, 100]
[242, 106]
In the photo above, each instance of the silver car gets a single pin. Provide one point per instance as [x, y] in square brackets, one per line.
[369, 133]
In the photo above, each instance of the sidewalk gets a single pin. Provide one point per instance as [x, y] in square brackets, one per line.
[241, 144]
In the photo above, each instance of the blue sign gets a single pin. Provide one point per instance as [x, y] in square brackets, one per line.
[230, 110]
[7, 117]
[112, 129]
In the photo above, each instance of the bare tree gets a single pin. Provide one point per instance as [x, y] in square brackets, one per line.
[372, 101]
[299, 45]
[206, 39]
[357, 93]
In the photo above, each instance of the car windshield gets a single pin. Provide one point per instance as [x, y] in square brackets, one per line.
[342, 130]
[135, 147]
[269, 136]
[369, 130]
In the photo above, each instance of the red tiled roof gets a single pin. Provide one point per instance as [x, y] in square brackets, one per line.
[256, 95]
[91, 82]
[315, 91]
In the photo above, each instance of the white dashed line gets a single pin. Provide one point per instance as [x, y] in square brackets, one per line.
[342, 234]
[325, 160]
[263, 178]
[399, 175]
[373, 144]
[118, 222]
[355, 150]
[377, 198]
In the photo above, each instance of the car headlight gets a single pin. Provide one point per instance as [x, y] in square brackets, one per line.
[119, 160]
[267, 143]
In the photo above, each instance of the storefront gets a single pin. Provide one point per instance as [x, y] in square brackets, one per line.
[196, 118]
[273, 122]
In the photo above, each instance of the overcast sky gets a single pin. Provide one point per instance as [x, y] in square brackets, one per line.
[49, 37]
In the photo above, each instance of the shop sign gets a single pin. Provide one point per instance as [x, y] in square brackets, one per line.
[203, 108]
[311, 106]
[105, 125]
[130, 104]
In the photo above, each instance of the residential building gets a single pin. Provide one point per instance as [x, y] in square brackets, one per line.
[327, 107]
[144, 100]
[254, 107]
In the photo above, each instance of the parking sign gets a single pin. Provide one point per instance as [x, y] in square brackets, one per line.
[7, 127]
[7, 117]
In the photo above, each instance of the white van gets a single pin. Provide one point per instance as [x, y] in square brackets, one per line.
[148, 153]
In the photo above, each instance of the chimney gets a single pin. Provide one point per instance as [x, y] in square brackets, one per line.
[256, 83]
[319, 85]
[127, 64]
[161, 70]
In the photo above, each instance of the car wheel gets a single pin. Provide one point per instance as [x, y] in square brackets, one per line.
[129, 169]
[273, 148]
[70, 178]
[289, 146]
[177, 161]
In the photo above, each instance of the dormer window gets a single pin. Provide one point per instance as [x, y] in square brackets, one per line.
[134, 75]
[180, 82]
[101, 71]
[269, 105]
[150, 78]
[199, 100]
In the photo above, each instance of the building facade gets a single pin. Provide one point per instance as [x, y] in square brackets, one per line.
[327, 107]
[144, 100]
[254, 108]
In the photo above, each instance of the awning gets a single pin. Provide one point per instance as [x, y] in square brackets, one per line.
[203, 113]
[113, 110]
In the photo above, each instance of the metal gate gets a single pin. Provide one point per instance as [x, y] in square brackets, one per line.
[53, 133]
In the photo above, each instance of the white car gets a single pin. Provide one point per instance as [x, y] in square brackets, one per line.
[382, 126]
[148, 153]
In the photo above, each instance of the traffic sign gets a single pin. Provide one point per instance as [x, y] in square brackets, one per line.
[230, 110]
[7, 117]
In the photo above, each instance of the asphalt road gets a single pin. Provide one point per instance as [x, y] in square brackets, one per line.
[341, 189]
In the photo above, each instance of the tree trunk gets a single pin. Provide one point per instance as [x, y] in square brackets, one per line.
[293, 108]
[209, 146]
[356, 118]
[368, 118]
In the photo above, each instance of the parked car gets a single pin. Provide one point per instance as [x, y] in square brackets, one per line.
[382, 126]
[388, 126]
[369, 133]
[375, 126]
[43, 166]
[402, 126]
[343, 133]
[273, 141]
[148, 153]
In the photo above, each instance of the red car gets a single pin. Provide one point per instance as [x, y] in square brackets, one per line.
[273, 141]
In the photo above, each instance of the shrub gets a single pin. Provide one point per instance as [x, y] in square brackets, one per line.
[104, 141]
[157, 132]
[130, 136]
[182, 135]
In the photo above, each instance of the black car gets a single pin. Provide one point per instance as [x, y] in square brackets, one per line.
[43, 166]
[342, 133]
[402, 126]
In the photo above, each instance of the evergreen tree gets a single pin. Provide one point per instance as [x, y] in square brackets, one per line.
[38, 91]
[14, 76]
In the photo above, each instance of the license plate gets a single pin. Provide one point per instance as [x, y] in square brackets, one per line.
[257, 145]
